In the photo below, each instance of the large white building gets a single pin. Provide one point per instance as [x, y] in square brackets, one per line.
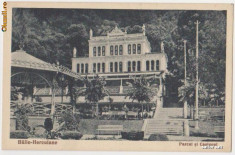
[118, 56]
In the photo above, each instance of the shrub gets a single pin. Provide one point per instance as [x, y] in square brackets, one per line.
[21, 113]
[19, 134]
[48, 125]
[158, 137]
[71, 135]
[70, 120]
[133, 135]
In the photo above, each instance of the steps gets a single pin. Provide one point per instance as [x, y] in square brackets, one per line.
[167, 121]
[169, 113]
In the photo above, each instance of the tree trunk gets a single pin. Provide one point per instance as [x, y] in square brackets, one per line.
[74, 107]
[92, 108]
[142, 111]
[97, 110]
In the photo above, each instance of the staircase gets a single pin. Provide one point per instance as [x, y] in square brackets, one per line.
[167, 121]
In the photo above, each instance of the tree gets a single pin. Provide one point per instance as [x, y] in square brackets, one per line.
[21, 113]
[75, 92]
[95, 91]
[140, 91]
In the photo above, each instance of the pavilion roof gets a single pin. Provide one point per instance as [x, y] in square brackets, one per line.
[22, 59]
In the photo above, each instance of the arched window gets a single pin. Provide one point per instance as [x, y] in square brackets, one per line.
[98, 67]
[94, 67]
[103, 50]
[116, 67]
[111, 67]
[82, 68]
[157, 65]
[120, 50]
[120, 66]
[116, 50]
[86, 68]
[94, 51]
[103, 67]
[111, 50]
[129, 66]
[133, 65]
[78, 68]
[152, 65]
[139, 49]
[99, 51]
[138, 66]
[134, 48]
[147, 65]
[129, 49]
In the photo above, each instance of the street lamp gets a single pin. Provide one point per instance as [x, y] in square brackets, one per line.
[185, 79]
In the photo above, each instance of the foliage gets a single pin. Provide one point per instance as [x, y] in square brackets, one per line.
[48, 124]
[158, 137]
[71, 135]
[19, 134]
[70, 121]
[95, 90]
[75, 91]
[21, 113]
[140, 90]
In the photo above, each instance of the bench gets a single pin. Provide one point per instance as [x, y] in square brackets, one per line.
[110, 128]
[219, 130]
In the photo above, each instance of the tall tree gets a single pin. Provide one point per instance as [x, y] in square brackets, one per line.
[140, 91]
[95, 91]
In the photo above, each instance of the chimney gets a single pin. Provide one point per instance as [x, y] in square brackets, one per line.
[74, 52]
[91, 33]
[162, 47]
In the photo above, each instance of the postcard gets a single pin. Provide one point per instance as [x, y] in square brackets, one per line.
[117, 76]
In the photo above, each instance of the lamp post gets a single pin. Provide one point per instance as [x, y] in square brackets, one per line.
[196, 89]
[185, 79]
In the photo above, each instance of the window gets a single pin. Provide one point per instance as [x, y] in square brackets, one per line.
[133, 65]
[129, 66]
[94, 67]
[111, 50]
[120, 66]
[86, 68]
[94, 51]
[99, 51]
[138, 48]
[138, 66]
[157, 65]
[134, 48]
[103, 50]
[129, 49]
[116, 67]
[82, 68]
[120, 50]
[116, 50]
[152, 65]
[147, 65]
[78, 68]
[111, 67]
[103, 67]
[98, 67]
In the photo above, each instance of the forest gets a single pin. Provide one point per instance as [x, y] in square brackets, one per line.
[51, 35]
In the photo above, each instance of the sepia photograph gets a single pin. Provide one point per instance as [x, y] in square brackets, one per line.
[92, 74]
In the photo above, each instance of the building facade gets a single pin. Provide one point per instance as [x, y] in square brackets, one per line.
[119, 56]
